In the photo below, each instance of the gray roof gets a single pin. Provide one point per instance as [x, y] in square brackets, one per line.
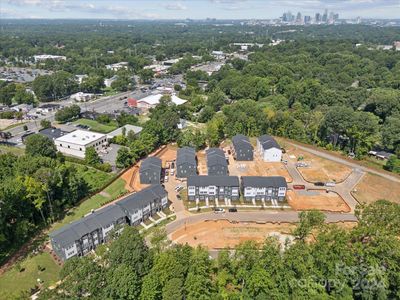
[128, 127]
[52, 133]
[384, 154]
[186, 155]
[215, 156]
[264, 181]
[151, 163]
[205, 180]
[241, 141]
[268, 142]
[143, 198]
[109, 214]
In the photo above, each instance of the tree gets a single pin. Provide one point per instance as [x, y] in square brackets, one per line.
[122, 283]
[393, 164]
[22, 96]
[45, 124]
[68, 113]
[124, 158]
[7, 93]
[92, 158]
[92, 84]
[391, 134]
[308, 221]
[146, 75]
[39, 145]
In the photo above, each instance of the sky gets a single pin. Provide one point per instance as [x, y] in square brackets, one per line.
[194, 9]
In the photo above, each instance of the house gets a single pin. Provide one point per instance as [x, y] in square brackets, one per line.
[46, 108]
[153, 100]
[140, 206]
[264, 188]
[381, 154]
[242, 148]
[75, 143]
[44, 57]
[109, 81]
[80, 78]
[208, 187]
[150, 170]
[82, 236]
[52, 133]
[81, 97]
[216, 162]
[269, 149]
[127, 128]
[117, 66]
[132, 102]
[186, 164]
[219, 55]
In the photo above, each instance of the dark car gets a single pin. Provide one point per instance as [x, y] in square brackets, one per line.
[233, 209]
[319, 183]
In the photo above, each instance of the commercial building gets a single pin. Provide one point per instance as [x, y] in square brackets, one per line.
[242, 148]
[44, 57]
[153, 100]
[117, 66]
[52, 133]
[126, 128]
[186, 164]
[140, 206]
[205, 187]
[84, 235]
[76, 142]
[216, 162]
[269, 149]
[81, 97]
[150, 170]
[265, 188]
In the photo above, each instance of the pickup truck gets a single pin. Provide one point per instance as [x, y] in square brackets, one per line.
[299, 186]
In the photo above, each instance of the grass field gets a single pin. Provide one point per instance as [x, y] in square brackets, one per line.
[95, 178]
[111, 192]
[96, 126]
[372, 188]
[13, 282]
[10, 149]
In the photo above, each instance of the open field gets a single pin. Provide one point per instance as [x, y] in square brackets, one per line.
[111, 192]
[223, 234]
[317, 199]
[373, 187]
[13, 282]
[95, 178]
[96, 126]
[319, 169]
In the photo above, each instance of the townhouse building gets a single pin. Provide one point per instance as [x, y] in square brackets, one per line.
[269, 149]
[150, 170]
[264, 188]
[216, 162]
[206, 187]
[186, 164]
[242, 148]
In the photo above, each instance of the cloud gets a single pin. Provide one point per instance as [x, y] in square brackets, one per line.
[175, 6]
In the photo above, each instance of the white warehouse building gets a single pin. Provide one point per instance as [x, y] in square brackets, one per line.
[269, 149]
[76, 142]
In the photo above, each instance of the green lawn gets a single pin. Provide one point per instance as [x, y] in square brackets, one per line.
[11, 149]
[111, 192]
[95, 178]
[96, 126]
[13, 282]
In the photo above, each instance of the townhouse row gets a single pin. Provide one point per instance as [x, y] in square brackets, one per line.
[227, 188]
[82, 236]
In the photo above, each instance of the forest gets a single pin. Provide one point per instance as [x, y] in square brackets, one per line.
[324, 261]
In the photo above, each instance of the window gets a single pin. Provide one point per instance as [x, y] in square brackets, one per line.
[69, 147]
[61, 145]
[80, 149]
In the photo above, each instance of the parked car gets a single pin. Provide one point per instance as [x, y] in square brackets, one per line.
[166, 178]
[172, 172]
[331, 184]
[233, 209]
[319, 183]
[219, 210]
[299, 186]
[178, 188]
[178, 197]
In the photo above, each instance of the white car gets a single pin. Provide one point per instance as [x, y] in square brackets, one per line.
[166, 178]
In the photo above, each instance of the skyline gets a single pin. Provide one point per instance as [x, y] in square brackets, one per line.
[193, 9]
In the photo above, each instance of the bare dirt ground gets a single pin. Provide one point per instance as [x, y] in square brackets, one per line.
[319, 169]
[223, 234]
[372, 188]
[258, 167]
[127, 177]
[4, 123]
[201, 162]
[317, 199]
[167, 155]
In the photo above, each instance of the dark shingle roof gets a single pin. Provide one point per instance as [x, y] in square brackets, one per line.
[109, 214]
[186, 155]
[268, 142]
[203, 180]
[215, 156]
[264, 181]
[143, 198]
[151, 163]
[241, 141]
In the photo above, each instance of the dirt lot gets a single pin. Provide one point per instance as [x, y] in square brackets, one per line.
[372, 188]
[258, 167]
[201, 162]
[4, 123]
[317, 199]
[319, 169]
[168, 154]
[223, 234]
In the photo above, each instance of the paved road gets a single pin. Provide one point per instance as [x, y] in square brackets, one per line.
[346, 162]
[253, 216]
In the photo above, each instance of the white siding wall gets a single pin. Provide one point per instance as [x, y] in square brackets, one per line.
[71, 251]
[272, 155]
[78, 150]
